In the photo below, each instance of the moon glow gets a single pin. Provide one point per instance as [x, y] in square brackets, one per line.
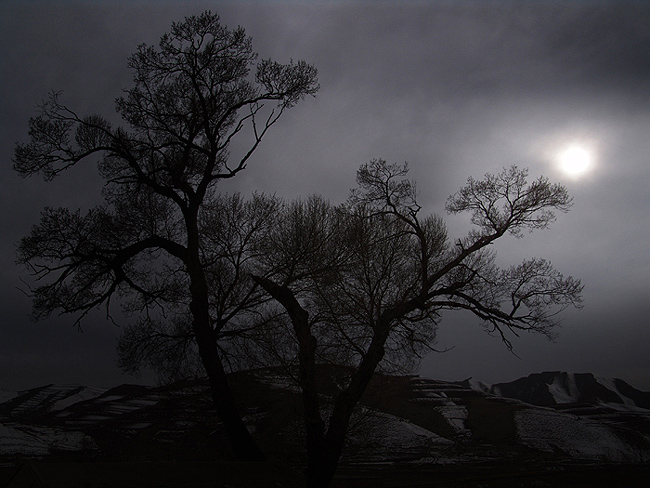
[575, 160]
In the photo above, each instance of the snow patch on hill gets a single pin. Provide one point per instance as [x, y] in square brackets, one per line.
[610, 384]
[456, 415]
[550, 431]
[82, 395]
[392, 439]
[41, 441]
[564, 391]
[277, 380]
[478, 385]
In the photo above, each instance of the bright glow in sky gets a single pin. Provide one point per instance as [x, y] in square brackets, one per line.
[575, 160]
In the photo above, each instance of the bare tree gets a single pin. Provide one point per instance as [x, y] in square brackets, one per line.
[364, 282]
[152, 242]
[231, 229]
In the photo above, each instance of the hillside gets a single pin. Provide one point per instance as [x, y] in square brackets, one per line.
[547, 420]
[558, 388]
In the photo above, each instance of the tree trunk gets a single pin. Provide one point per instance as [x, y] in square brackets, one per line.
[321, 473]
[242, 442]
[314, 425]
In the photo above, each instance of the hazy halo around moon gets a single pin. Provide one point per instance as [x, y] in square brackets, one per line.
[575, 160]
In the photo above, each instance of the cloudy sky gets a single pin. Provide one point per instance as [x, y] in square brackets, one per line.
[454, 88]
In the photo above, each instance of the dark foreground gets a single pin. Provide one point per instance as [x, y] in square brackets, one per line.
[33, 474]
[631, 476]
[408, 432]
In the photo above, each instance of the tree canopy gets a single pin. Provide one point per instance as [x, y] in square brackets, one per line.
[363, 283]
[152, 243]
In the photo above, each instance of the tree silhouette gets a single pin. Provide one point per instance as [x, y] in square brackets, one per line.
[363, 283]
[149, 243]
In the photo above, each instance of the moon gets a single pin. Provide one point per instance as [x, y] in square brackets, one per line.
[575, 160]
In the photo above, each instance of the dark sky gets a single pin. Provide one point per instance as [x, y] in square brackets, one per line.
[454, 88]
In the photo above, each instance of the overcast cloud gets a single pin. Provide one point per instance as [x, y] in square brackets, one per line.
[454, 88]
